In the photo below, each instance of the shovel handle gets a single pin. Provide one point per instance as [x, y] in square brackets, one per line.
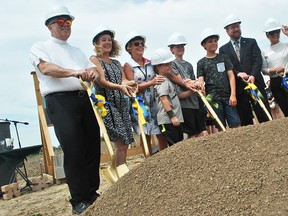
[141, 128]
[211, 110]
[112, 173]
[145, 144]
[264, 108]
[100, 123]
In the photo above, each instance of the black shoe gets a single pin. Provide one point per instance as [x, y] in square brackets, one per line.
[79, 208]
[93, 198]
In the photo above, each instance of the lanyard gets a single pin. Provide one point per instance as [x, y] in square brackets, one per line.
[144, 74]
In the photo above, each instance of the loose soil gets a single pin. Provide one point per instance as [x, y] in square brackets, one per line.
[242, 171]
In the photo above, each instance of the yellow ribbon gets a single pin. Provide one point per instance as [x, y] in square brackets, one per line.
[253, 90]
[99, 103]
[139, 111]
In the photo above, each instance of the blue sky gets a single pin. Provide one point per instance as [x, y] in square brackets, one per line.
[22, 23]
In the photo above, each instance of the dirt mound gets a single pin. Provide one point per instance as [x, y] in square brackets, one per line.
[243, 171]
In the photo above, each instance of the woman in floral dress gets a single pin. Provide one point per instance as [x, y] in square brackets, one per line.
[117, 120]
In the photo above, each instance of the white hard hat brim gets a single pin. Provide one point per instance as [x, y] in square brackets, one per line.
[168, 60]
[239, 22]
[272, 29]
[178, 43]
[214, 35]
[172, 58]
[110, 32]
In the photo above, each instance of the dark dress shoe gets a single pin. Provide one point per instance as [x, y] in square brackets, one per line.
[79, 208]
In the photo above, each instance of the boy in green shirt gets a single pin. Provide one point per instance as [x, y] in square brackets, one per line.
[216, 70]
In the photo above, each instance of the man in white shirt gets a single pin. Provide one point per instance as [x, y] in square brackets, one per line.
[58, 66]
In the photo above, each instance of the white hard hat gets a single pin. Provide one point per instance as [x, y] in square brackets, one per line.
[208, 32]
[103, 29]
[131, 36]
[161, 56]
[231, 19]
[57, 11]
[176, 39]
[271, 24]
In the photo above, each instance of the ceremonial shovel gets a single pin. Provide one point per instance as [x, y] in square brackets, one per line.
[111, 173]
[141, 128]
[211, 110]
[257, 98]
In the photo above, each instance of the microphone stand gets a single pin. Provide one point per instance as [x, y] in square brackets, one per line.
[7, 120]
[23, 175]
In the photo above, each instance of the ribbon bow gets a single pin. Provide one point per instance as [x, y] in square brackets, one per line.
[209, 98]
[252, 89]
[139, 108]
[99, 103]
[284, 83]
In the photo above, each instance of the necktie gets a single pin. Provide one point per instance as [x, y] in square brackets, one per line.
[237, 49]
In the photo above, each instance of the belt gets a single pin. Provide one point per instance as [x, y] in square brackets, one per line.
[78, 93]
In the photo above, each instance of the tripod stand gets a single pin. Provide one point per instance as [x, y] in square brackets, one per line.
[18, 170]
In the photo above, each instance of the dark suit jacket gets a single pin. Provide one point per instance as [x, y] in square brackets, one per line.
[250, 62]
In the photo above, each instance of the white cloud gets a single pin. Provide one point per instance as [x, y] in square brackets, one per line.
[22, 24]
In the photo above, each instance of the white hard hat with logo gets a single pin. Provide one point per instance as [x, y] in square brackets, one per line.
[57, 11]
[231, 19]
[176, 39]
[132, 36]
[103, 29]
[161, 56]
[271, 24]
[208, 32]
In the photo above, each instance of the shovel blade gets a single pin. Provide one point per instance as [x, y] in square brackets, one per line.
[110, 175]
[122, 170]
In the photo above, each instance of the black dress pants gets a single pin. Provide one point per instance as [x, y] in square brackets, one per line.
[78, 133]
[279, 93]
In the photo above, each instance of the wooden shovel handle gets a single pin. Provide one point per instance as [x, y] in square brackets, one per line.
[141, 128]
[264, 108]
[143, 135]
[211, 110]
[100, 123]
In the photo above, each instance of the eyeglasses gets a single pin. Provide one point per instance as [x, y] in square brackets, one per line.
[137, 43]
[274, 32]
[61, 22]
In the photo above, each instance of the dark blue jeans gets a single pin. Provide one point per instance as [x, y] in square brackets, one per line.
[227, 113]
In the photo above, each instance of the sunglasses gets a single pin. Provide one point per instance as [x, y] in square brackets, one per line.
[61, 22]
[137, 43]
[274, 32]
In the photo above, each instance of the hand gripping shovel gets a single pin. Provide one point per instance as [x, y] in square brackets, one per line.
[211, 110]
[141, 122]
[111, 173]
[252, 89]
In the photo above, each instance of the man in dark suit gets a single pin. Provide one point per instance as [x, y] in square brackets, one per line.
[245, 56]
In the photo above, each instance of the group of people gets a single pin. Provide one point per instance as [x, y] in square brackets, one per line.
[166, 84]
